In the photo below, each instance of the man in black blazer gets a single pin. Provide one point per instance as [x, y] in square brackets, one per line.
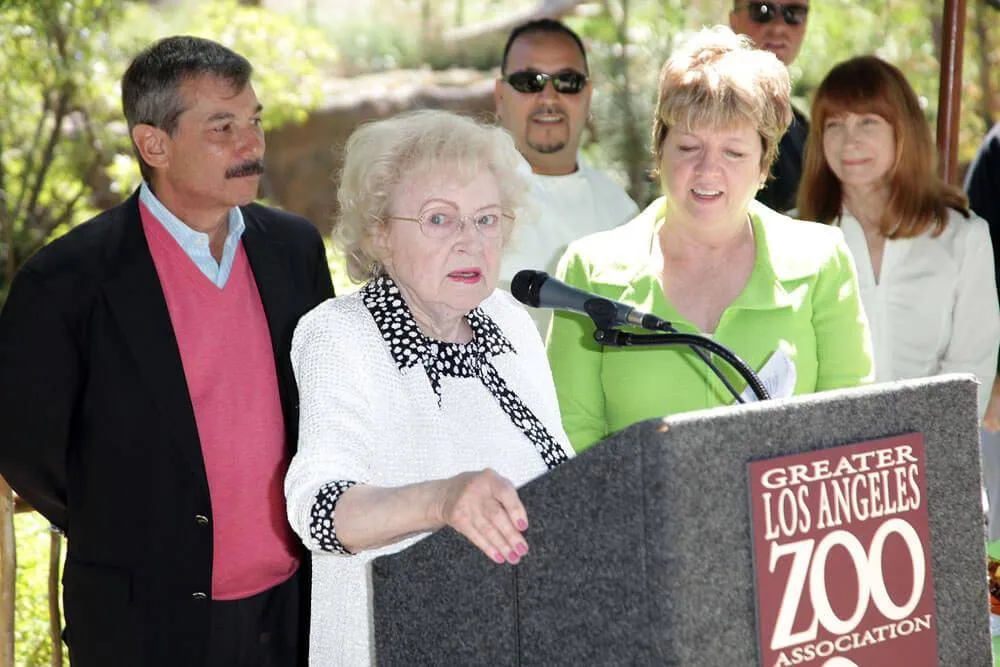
[107, 389]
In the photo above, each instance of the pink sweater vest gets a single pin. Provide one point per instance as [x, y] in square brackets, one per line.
[228, 362]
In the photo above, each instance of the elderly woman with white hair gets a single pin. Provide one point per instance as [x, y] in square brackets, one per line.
[425, 398]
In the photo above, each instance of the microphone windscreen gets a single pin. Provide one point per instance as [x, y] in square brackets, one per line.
[526, 285]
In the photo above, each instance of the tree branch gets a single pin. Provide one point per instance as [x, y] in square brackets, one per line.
[985, 53]
[29, 160]
[3, 181]
[47, 227]
[6, 223]
[61, 109]
[67, 214]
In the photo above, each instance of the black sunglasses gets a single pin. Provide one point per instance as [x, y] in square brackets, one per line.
[567, 82]
[765, 12]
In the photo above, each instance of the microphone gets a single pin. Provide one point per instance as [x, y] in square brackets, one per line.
[539, 290]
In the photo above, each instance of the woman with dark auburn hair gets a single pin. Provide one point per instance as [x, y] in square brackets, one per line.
[925, 264]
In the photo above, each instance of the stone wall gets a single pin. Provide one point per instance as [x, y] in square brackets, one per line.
[303, 161]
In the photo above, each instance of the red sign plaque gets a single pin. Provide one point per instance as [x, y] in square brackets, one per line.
[842, 556]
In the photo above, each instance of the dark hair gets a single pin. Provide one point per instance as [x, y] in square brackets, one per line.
[151, 84]
[919, 200]
[542, 27]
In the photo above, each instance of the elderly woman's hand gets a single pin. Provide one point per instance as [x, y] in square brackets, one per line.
[485, 507]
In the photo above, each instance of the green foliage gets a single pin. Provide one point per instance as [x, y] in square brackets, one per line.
[53, 134]
[32, 647]
[401, 34]
[369, 47]
[342, 283]
[292, 61]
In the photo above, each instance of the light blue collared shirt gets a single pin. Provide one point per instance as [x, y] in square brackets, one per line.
[195, 244]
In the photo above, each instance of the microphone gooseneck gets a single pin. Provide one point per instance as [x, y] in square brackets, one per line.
[538, 290]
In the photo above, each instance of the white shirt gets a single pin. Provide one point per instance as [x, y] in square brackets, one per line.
[363, 419]
[934, 308]
[561, 210]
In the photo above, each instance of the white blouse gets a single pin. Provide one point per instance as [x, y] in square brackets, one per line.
[370, 413]
[934, 307]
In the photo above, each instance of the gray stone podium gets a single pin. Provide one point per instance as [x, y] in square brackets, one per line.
[641, 547]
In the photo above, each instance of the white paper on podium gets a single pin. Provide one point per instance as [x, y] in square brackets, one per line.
[778, 376]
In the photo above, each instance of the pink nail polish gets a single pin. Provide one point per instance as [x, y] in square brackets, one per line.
[512, 558]
[498, 557]
[521, 548]
[521, 524]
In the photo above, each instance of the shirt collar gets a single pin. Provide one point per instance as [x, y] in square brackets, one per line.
[764, 290]
[185, 236]
[409, 346]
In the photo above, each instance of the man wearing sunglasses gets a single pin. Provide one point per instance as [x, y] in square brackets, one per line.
[543, 100]
[778, 27]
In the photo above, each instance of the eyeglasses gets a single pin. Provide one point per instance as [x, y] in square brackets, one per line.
[765, 12]
[567, 82]
[443, 223]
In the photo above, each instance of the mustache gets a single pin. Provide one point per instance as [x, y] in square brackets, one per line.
[248, 168]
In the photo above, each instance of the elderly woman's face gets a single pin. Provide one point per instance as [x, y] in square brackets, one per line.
[711, 175]
[444, 273]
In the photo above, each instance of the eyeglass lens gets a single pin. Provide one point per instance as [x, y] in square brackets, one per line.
[443, 222]
[567, 82]
[765, 12]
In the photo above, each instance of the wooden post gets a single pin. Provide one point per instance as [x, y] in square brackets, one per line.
[8, 574]
[55, 618]
[950, 91]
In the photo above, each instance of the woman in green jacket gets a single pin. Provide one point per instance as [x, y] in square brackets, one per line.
[780, 293]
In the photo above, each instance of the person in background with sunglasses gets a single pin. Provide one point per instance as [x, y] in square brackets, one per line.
[543, 100]
[425, 397]
[778, 27]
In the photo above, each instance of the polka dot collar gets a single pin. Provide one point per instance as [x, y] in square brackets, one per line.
[409, 345]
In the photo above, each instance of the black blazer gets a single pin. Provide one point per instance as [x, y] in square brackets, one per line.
[99, 432]
[781, 190]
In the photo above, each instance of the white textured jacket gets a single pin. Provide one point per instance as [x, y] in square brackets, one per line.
[364, 419]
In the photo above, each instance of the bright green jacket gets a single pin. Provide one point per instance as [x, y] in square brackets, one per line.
[802, 297]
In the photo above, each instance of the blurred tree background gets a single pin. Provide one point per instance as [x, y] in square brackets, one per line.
[64, 150]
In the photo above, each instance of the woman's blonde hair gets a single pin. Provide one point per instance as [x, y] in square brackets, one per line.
[719, 80]
[918, 199]
[380, 154]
